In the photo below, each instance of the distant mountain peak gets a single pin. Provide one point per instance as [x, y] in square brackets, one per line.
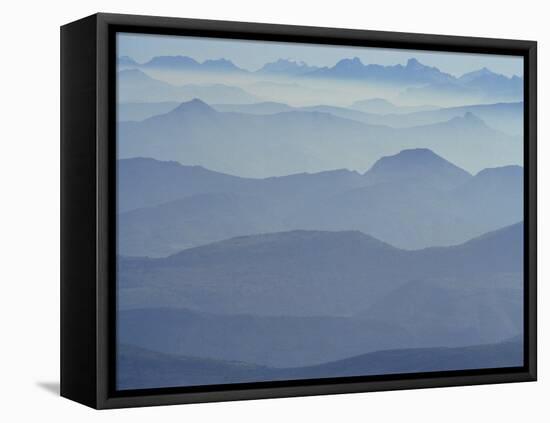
[196, 106]
[469, 119]
[417, 152]
[413, 71]
[291, 62]
[188, 63]
[352, 63]
[470, 76]
[413, 63]
[175, 61]
[411, 155]
[287, 66]
[221, 64]
[417, 164]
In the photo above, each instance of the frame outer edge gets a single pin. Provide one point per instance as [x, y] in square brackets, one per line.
[103, 226]
[532, 196]
[253, 28]
[78, 215]
[103, 398]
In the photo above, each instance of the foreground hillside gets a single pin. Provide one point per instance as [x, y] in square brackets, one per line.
[306, 272]
[140, 369]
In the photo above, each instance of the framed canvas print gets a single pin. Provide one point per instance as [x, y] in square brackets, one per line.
[254, 211]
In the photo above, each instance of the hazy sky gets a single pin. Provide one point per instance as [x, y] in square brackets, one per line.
[252, 55]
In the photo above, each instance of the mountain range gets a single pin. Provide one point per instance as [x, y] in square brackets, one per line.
[142, 368]
[196, 133]
[351, 68]
[504, 117]
[427, 83]
[298, 340]
[339, 273]
[412, 73]
[325, 303]
[286, 68]
[420, 313]
[299, 141]
[136, 86]
[415, 214]
[302, 222]
[188, 64]
[413, 199]
[420, 82]
[481, 87]
[348, 68]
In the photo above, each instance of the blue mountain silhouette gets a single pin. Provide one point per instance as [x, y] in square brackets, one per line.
[412, 72]
[338, 272]
[284, 67]
[141, 368]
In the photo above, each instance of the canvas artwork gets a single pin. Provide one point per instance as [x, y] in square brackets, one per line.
[293, 211]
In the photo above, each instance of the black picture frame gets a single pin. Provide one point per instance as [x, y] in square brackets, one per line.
[88, 203]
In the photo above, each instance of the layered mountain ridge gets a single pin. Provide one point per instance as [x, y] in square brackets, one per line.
[166, 206]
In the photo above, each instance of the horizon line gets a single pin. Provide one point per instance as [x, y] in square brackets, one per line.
[304, 63]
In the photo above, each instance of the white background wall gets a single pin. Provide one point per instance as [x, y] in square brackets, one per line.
[29, 235]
